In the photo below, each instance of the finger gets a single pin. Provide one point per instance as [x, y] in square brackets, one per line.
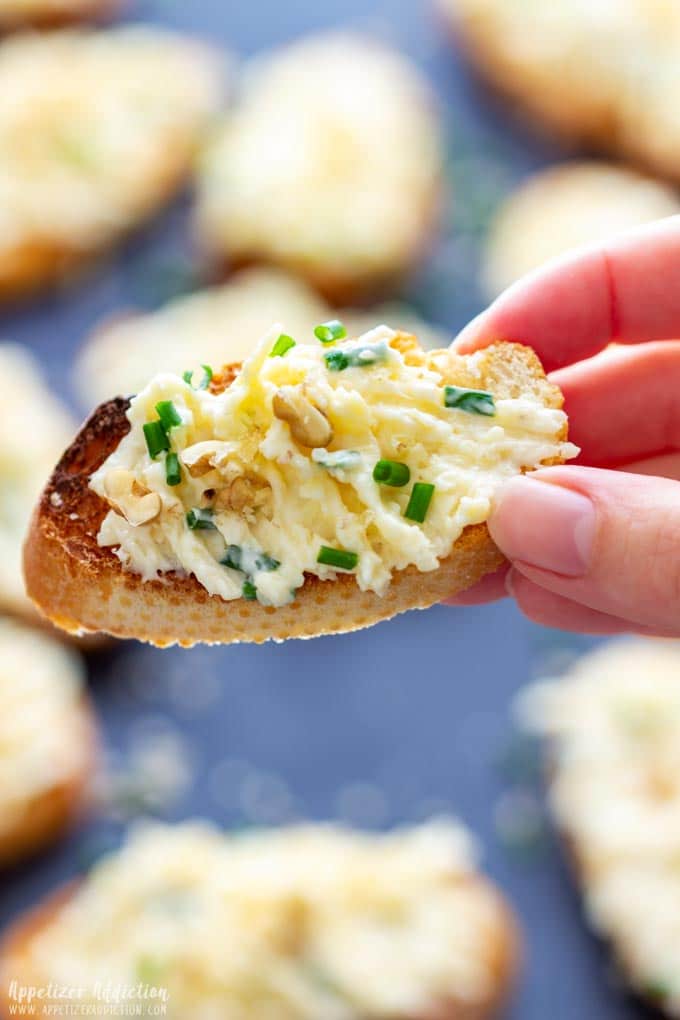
[551, 610]
[626, 290]
[490, 589]
[605, 539]
[623, 404]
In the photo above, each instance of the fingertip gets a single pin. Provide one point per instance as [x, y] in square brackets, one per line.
[473, 336]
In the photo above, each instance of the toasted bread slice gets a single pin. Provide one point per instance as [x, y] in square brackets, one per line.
[51, 813]
[485, 953]
[82, 586]
[48, 741]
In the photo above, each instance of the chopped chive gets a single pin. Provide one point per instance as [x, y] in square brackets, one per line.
[200, 519]
[232, 557]
[282, 346]
[249, 591]
[341, 558]
[168, 414]
[173, 471]
[329, 332]
[472, 401]
[361, 356]
[188, 377]
[419, 502]
[392, 472]
[267, 563]
[336, 361]
[156, 438]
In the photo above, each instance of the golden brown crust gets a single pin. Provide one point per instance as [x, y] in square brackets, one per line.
[48, 815]
[504, 953]
[47, 17]
[82, 587]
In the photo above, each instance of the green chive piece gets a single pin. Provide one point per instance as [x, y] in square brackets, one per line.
[267, 563]
[173, 471]
[361, 356]
[188, 377]
[282, 346]
[341, 558]
[419, 502]
[392, 472]
[200, 520]
[156, 438]
[232, 557]
[472, 401]
[329, 332]
[336, 361]
[168, 414]
[249, 591]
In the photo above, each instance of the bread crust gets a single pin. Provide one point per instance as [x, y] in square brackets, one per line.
[82, 587]
[49, 814]
[47, 17]
[504, 958]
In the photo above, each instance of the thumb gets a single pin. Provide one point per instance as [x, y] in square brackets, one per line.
[605, 539]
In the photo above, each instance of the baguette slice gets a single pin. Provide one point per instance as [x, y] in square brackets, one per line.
[486, 953]
[82, 587]
[49, 814]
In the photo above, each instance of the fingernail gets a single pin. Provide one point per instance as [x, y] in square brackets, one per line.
[544, 525]
[510, 583]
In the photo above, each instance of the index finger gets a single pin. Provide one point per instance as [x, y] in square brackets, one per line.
[625, 290]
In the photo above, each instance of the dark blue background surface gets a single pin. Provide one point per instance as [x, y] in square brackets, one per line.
[382, 726]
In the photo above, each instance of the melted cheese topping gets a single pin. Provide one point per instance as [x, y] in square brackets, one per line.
[296, 924]
[35, 429]
[298, 497]
[218, 326]
[41, 734]
[353, 184]
[93, 126]
[614, 728]
[567, 206]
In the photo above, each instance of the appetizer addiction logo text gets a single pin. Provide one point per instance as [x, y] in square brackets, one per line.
[101, 998]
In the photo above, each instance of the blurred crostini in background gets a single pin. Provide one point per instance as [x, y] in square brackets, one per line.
[612, 729]
[329, 164]
[300, 923]
[566, 206]
[48, 741]
[98, 130]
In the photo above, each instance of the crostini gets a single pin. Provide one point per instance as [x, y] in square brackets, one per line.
[217, 325]
[565, 207]
[35, 429]
[319, 488]
[300, 923]
[97, 131]
[606, 76]
[330, 165]
[612, 725]
[47, 740]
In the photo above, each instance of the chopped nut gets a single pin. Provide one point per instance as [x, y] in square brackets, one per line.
[128, 497]
[308, 425]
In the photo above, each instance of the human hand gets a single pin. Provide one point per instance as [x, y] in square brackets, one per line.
[595, 546]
